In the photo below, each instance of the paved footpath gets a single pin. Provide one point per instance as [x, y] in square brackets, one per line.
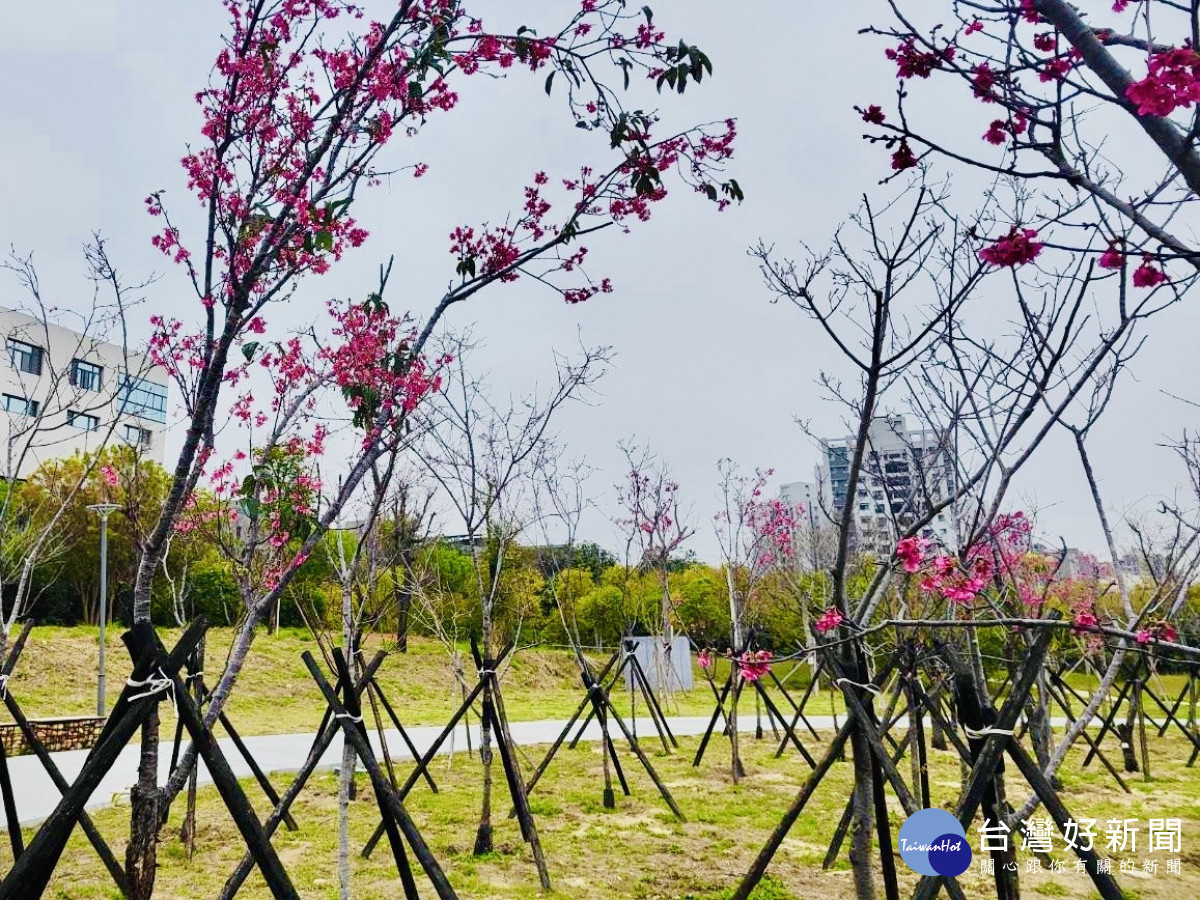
[36, 795]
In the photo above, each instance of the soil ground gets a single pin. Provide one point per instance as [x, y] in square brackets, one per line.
[639, 850]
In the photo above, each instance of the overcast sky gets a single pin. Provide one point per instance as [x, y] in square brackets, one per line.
[96, 110]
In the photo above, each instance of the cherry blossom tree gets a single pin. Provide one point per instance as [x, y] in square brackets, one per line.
[754, 533]
[654, 525]
[900, 294]
[304, 103]
[483, 454]
[1091, 102]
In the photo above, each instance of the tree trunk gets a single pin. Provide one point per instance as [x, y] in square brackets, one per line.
[737, 771]
[483, 837]
[1039, 726]
[403, 578]
[863, 824]
[141, 854]
[403, 607]
[738, 635]
[349, 757]
[187, 832]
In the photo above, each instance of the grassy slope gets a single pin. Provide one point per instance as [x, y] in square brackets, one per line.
[638, 850]
[56, 676]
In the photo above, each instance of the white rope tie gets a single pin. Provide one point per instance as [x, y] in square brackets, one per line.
[984, 732]
[3, 686]
[357, 720]
[199, 674]
[869, 688]
[154, 685]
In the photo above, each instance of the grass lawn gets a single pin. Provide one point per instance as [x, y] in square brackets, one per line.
[56, 676]
[638, 850]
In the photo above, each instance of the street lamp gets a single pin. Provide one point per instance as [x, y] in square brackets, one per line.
[103, 509]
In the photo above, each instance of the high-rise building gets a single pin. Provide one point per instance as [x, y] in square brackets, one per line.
[905, 472]
[62, 391]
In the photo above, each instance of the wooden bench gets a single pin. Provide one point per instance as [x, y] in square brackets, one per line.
[62, 733]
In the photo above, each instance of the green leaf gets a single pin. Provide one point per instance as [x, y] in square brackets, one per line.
[619, 131]
[249, 349]
[549, 82]
[649, 13]
[324, 240]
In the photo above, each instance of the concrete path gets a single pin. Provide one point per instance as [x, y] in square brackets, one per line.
[36, 795]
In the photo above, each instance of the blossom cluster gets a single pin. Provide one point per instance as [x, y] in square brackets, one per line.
[754, 664]
[1002, 80]
[829, 620]
[1018, 247]
[962, 578]
[1172, 82]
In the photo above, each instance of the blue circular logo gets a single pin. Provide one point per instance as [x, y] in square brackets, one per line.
[932, 842]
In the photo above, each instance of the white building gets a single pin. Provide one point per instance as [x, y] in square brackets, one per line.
[62, 391]
[904, 473]
[804, 500]
[814, 541]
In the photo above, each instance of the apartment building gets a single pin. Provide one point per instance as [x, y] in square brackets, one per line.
[63, 391]
[905, 472]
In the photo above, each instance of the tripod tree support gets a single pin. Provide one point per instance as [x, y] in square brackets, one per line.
[325, 735]
[389, 800]
[30, 875]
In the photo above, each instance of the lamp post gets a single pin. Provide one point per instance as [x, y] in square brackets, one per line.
[103, 509]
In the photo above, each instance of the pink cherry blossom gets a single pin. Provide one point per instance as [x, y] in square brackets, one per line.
[1016, 248]
[911, 553]
[753, 665]
[1084, 621]
[1148, 274]
[1112, 258]
[829, 620]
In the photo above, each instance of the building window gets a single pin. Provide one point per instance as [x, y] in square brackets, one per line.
[138, 436]
[143, 398]
[86, 376]
[20, 405]
[82, 420]
[25, 357]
